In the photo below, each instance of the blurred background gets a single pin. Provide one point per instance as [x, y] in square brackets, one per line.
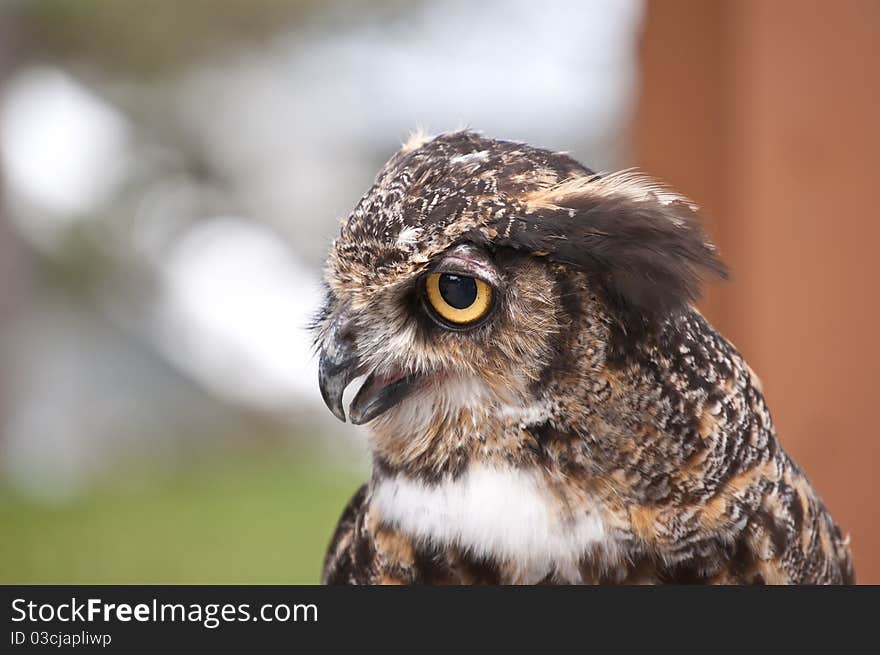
[171, 175]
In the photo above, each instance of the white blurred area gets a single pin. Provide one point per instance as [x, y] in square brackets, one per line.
[232, 312]
[64, 152]
[170, 232]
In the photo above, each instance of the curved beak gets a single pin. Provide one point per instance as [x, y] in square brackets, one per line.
[339, 365]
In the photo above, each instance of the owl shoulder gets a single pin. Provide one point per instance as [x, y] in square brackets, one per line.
[341, 565]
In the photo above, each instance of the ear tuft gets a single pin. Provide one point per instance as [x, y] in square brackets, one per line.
[642, 241]
[416, 139]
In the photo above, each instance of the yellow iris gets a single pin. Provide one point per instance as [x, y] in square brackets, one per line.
[442, 293]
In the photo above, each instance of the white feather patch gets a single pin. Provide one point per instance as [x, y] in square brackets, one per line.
[408, 236]
[471, 157]
[503, 513]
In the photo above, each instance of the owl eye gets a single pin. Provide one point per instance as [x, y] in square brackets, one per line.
[458, 300]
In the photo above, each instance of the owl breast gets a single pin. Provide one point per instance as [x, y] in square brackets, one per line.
[500, 514]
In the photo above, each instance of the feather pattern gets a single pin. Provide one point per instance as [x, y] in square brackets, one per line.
[593, 427]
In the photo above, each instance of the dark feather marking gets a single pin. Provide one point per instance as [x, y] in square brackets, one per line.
[571, 304]
[339, 570]
[649, 258]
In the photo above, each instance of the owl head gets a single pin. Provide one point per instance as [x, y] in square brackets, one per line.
[474, 271]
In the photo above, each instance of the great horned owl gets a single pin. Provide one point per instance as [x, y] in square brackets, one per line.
[544, 402]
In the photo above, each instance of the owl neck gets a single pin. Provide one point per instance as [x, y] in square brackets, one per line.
[665, 402]
[425, 443]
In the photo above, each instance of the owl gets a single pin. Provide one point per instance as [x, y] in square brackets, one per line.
[544, 403]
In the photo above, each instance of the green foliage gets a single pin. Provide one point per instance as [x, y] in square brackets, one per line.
[154, 36]
[254, 520]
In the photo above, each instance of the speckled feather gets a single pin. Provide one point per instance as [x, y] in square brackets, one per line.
[637, 436]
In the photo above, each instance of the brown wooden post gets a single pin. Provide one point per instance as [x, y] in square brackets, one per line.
[768, 115]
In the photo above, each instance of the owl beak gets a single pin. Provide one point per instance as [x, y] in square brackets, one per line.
[338, 366]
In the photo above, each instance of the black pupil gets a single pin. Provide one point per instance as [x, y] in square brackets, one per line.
[458, 291]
